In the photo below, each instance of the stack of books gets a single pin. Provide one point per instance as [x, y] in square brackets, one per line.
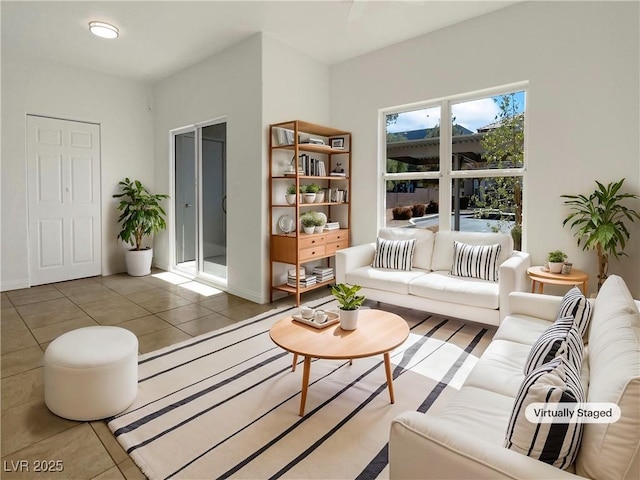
[304, 280]
[323, 274]
[332, 226]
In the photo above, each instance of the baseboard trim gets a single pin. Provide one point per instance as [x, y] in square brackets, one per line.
[14, 285]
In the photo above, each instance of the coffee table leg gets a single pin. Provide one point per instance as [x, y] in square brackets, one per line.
[305, 383]
[387, 369]
[295, 362]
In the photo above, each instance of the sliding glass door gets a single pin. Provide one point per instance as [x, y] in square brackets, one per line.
[200, 201]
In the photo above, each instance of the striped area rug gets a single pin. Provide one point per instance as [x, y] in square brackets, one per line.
[225, 404]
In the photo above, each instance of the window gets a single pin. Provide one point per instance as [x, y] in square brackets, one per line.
[481, 187]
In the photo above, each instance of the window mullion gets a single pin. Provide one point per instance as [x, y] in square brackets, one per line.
[445, 166]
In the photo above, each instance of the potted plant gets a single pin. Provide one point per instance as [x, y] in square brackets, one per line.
[599, 219]
[319, 222]
[141, 216]
[349, 303]
[308, 222]
[555, 260]
[317, 189]
[290, 196]
[308, 195]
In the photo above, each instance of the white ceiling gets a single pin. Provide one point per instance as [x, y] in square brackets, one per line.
[159, 38]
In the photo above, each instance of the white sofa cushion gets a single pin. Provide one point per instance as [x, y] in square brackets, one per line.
[558, 381]
[612, 450]
[443, 246]
[521, 328]
[424, 243]
[500, 368]
[394, 254]
[475, 261]
[383, 278]
[489, 423]
[464, 291]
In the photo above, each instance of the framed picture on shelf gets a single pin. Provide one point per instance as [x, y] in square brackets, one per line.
[337, 142]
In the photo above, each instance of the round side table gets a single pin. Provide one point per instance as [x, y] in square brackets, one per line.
[540, 277]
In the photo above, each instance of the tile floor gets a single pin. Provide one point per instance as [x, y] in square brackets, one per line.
[161, 309]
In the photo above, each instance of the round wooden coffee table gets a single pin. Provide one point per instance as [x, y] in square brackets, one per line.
[378, 333]
[540, 276]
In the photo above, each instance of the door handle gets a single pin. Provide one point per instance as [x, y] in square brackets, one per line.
[224, 204]
[187, 205]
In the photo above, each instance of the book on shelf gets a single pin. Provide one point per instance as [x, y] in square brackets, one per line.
[292, 272]
[338, 174]
[304, 282]
[332, 226]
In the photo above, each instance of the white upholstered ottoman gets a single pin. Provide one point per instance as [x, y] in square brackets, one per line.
[91, 373]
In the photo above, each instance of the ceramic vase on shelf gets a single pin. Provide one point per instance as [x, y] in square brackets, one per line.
[320, 196]
[309, 229]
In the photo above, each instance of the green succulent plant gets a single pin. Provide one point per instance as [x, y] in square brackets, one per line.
[556, 256]
[347, 296]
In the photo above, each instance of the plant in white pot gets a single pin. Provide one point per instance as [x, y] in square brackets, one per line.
[349, 303]
[317, 189]
[307, 193]
[290, 196]
[555, 261]
[308, 221]
[141, 217]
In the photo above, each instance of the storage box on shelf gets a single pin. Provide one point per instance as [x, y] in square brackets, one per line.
[303, 154]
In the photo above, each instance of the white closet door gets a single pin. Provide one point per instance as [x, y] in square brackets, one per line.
[63, 162]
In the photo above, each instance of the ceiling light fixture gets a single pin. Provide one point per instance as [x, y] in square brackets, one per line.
[103, 30]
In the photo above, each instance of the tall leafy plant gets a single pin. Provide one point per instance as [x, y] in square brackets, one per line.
[142, 215]
[599, 222]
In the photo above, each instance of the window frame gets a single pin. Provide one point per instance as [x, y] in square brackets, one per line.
[445, 173]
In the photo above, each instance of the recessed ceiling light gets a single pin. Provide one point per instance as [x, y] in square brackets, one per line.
[103, 30]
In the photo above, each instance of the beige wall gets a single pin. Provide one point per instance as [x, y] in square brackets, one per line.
[121, 107]
[581, 60]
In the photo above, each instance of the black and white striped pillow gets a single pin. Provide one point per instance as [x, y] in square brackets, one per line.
[394, 254]
[475, 261]
[557, 381]
[575, 304]
[548, 343]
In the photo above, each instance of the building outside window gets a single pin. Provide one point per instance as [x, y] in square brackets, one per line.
[481, 188]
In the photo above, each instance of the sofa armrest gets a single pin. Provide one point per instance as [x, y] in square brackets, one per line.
[534, 305]
[349, 259]
[425, 446]
[513, 278]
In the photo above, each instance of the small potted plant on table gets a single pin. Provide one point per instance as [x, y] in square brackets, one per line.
[555, 261]
[349, 304]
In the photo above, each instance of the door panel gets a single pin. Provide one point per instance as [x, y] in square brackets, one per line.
[63, 163]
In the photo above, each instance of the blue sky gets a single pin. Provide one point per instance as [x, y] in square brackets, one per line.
[470, 114]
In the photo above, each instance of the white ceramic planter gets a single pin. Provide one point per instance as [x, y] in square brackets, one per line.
[320, 197]
[555, 267]
[291, 198]
[309, 197]
[138, 262]
[349, 319]
[309, 229]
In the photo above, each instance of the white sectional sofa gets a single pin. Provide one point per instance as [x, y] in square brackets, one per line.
[465, 440]
[429, 286]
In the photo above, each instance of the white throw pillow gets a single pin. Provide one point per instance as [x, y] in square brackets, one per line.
[475, 261]
[556, 443]
[394, 254]
[575, 304]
